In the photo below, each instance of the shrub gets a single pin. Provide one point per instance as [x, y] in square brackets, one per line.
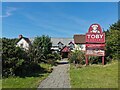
[57, 56]
[77, 57]
[52, 58]
[28, 69]
[93, 59]
[15, 61]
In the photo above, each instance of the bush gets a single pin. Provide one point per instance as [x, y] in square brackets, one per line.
[57, 56]
[94, 59]
[77, 57]
[28, 69]
[52, 58]
[15, 61]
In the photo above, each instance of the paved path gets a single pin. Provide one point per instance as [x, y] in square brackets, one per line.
[59, 78]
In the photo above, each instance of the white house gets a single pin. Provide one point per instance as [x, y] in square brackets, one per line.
[23, 42]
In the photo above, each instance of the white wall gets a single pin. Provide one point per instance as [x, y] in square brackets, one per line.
[25, 44]
[80, 47]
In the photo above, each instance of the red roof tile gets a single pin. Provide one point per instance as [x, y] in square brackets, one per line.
[79, 39]
[65, 49]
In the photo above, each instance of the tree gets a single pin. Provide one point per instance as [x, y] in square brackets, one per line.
[41, 48]
[113, 41]
[12, 56]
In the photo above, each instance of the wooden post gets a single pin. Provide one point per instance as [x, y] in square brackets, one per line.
[86, 59]
[102, 60]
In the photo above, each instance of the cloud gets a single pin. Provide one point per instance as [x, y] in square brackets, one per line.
[48, 25]
[9, 11]
[70, 24]
[75, 19]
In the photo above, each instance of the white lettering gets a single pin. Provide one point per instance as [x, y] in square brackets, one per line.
[101, 35]
[93, 36]
[88, 36]
[97, 36]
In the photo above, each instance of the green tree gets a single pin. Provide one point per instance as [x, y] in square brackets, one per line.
[113, 41]
[11, 56]
[15, 61]
[41, 48]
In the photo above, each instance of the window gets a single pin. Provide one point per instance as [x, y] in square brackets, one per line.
[21, 45]
[60, 45]
[71, 45]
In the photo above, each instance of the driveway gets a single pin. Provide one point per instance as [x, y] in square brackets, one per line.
[59, 78]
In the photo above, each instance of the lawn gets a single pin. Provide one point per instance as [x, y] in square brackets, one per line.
[27, 82]
[95, 76]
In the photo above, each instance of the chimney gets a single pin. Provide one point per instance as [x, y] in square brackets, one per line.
[20, 36]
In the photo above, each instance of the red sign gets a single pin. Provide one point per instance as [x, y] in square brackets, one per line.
[95, 37]
[95, 28]
[95, 34]
[95, 45]
[95, 52]
[95, 42]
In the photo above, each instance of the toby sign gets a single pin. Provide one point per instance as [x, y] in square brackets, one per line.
[95, 34]
[95, 38]
[95, 42]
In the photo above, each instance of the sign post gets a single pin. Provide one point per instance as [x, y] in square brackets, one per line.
[103, 60]
[95, 42]
[86, 57]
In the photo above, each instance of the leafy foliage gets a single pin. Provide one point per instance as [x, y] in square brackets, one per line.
[113, 41]
[52, 58]
[15, 61]
[95, 59]
[77, 56]
[41, 48]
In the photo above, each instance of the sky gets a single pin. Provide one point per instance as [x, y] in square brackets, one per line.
[56, 19]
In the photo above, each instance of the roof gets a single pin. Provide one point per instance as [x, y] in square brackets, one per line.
[26, 39]
[65, 49]
[64, 41]
[79, 39]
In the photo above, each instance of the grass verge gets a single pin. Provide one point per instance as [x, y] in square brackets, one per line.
[95, 76]
[27, 82]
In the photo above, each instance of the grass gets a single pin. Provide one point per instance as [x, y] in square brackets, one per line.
[0, 83]
[95, 76]
[27, 82]
[46, 66]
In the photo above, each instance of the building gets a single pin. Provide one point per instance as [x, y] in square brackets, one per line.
[79, 40]
[59, 43]
[23, 42]
[62, 46]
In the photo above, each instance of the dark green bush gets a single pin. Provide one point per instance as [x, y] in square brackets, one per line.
[27, 69]
[52, 58]
[15, 61]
